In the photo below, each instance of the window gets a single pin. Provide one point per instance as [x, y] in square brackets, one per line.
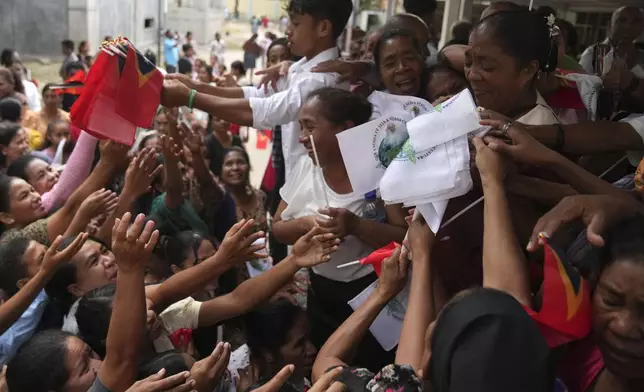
[148, 23]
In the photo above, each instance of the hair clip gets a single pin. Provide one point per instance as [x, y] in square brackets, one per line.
[550, 20]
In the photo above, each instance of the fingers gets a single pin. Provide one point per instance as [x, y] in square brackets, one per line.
[326, 380]
[222, 362]
[152, 243]
[134, 233]
[478, 144]
[119, 231]
[596, 226]
[235, 228]
[73, 248]
[216, 353]
[280, 379]
[178, 382]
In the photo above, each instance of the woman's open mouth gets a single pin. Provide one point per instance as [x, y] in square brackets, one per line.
[406, 85]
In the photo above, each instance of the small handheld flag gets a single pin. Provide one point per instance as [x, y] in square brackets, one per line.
[121, 92]
[564, 315]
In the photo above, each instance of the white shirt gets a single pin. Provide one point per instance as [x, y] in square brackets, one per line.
[542, 114]
[304, 195]
[283, 107]
[637, 122]
[217, 48]
[33, 95]
[586, 61]
[180, 315]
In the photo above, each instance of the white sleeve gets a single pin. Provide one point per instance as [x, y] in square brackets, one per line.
[294, 180]
[256, 92]
[637, 122]
[283, 107]
[182, 314]
[586, 60]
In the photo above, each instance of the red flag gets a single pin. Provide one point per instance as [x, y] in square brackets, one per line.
[95, 110]
[379, 255]
[139, 89]
[565, 306]
[120, 93]
[567, 96]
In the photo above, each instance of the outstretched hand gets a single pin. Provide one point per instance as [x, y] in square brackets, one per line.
[314, 247]
[237, 246]
[598, 212]
[393, 275]
[133, 246]
[208, 373]
[523, 147]
[157, 383]
[271, 75]
[54, 258]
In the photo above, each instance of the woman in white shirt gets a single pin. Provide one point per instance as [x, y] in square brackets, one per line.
[327, 112]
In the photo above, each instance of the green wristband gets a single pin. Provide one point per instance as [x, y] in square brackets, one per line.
[191, 98]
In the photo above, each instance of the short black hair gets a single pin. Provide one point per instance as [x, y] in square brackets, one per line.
[8, 130]
[7, 57]
[18, 168]
[340, 106]
[185, 66]
[12, 268]
[277, 42]
[267, 326]
[93, 317]
[10, 109]
[239, 66]
[67, 44]
[186, 47]
[40, 363]
[420, 7]
[335, 11]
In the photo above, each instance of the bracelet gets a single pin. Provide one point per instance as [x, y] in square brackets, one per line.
[191, 98]
[632, 86]
[561, 139]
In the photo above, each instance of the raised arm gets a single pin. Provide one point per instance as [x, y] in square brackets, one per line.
[504, 264]
[261, 113]
[289, 231]
[310, 250]
[237, 247]
[420, 307]
[76, 171]
[205, 88]
[11, 310]
[112, 157]
[340, 348]
[526, 149]
[132, 247]
[138, 177]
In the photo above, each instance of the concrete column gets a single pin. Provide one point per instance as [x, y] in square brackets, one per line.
[83, 22]
[450, 15]
[465, 12]
[391, 8]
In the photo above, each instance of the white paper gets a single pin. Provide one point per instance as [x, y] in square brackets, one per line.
[455, 117]
[368, 149]
[258, 266]
[387, 327]
[406, 107]
[588, 87]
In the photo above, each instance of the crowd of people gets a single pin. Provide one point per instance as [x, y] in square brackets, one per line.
[160, 267]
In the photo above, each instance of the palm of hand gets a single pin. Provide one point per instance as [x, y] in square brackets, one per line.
[309, 253]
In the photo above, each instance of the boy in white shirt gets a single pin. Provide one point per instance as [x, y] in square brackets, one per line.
[314, 28]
